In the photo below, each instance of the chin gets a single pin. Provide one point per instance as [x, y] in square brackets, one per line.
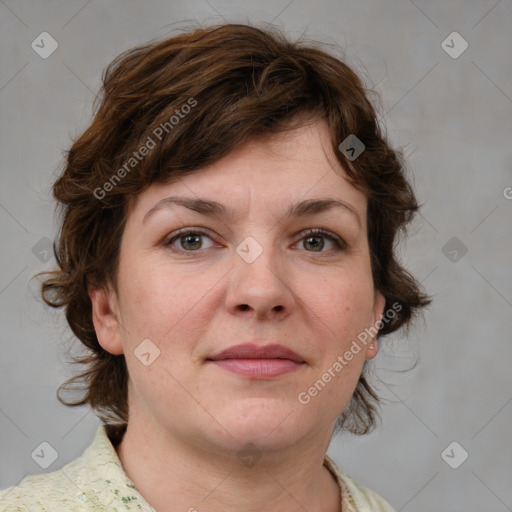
[269, 424]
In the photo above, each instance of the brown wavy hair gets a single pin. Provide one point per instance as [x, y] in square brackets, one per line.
[240, 82]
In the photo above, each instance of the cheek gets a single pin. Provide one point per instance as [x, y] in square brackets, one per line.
[343, 302]
[160, 302]
[149, 294]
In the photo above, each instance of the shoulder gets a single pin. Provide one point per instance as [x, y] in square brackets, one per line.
[92, 481]
[55, 491]
[355, 496]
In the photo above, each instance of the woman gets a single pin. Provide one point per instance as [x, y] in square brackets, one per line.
[227, 257]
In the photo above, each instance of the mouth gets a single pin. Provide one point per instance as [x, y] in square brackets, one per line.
[258, 361]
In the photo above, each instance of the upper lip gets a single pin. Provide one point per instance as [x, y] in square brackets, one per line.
[253, 351]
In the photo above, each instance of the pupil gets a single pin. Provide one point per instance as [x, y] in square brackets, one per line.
[317, 244]
[191, 239]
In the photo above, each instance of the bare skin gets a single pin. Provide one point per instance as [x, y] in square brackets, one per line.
[194, 295]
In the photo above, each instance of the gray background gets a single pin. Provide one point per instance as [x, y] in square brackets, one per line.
[453, 118]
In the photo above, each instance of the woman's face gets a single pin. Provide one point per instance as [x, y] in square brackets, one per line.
[254, 275]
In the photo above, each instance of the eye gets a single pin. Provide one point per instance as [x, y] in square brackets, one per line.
[189, 240]
[315, 239]
[192, 240]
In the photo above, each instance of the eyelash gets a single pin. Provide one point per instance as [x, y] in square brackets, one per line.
[312, 232]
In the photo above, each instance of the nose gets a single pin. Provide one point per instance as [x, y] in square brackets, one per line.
[260, 288]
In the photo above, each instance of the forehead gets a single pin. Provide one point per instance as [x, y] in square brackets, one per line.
[268, 174]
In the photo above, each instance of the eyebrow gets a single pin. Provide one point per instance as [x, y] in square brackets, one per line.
[213, 208]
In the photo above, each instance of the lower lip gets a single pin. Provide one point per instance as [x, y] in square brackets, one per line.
[259, 368]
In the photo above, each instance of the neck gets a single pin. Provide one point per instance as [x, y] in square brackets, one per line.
[173, 473]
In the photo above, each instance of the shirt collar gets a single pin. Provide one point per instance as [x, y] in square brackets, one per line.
[112, 486]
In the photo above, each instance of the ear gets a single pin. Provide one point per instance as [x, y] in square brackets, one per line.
[379, 303]
[105, 317]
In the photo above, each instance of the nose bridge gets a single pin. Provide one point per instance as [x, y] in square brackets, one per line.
[258, 280]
